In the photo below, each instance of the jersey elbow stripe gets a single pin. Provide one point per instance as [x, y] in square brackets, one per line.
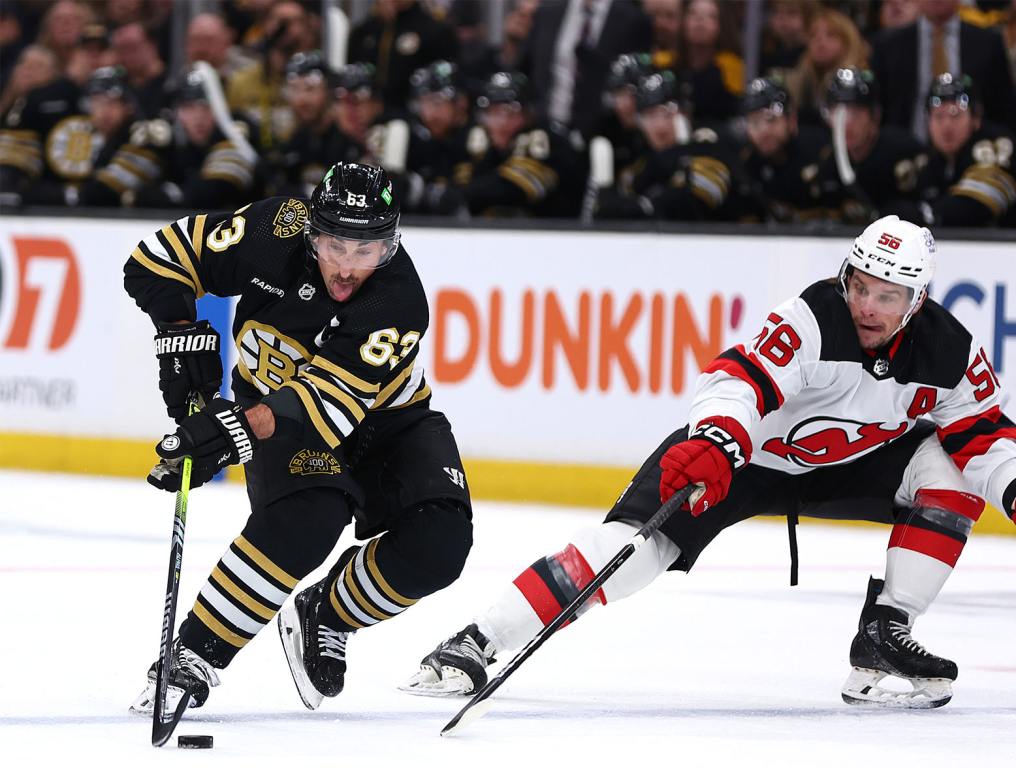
[735, 363]
[974, 436]
[392, 387]
[169, 232]
[140, 256]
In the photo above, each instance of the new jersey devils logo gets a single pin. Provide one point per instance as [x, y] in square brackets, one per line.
[824, 440]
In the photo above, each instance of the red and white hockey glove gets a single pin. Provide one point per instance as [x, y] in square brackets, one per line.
[708, 458]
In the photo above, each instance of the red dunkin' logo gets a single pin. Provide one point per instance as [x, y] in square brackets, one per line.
[824, 440]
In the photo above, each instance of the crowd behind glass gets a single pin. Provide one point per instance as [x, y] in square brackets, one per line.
[581, 109]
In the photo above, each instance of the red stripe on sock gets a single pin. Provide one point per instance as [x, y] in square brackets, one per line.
[929, 543]
[578, 570]
[538, 594]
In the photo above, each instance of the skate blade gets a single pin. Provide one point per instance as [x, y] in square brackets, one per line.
[453, 682]
[145, 703]
[862, 688]
[292, 643]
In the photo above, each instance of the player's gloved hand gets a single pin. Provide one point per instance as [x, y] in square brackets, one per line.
[214, 438]
[188, 362]
[612, 204]
[708, 458]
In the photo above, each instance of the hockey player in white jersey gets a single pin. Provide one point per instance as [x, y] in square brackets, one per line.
[860, 399]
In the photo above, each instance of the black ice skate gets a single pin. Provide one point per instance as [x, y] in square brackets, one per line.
[458, 666]
[189, 674]
[883, 646]
[316, 653]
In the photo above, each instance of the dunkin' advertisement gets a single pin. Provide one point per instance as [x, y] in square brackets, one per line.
[543, 347]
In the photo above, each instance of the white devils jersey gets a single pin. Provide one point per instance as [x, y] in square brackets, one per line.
[809, 396]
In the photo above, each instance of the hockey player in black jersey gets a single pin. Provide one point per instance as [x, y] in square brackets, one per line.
[684, 174]
[779, 161]
[968, 180]
[619, 122]
[332, 421]
[516, 165]
[884, 160]
[860, 399]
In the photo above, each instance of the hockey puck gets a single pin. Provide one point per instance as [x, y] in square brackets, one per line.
[194, 742]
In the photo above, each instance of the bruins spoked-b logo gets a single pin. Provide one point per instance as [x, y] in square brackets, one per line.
[308, 462]
[290, 219]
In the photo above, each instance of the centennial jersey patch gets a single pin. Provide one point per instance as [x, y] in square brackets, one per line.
[289, 220]
[310, 462]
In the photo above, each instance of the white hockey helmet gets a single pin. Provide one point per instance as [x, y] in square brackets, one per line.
[897, 251]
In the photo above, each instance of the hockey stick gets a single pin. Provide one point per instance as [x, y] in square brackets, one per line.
[164, 723]
[842, 157]
[480, 703]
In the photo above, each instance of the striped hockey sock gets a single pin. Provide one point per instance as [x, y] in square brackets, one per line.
[364, 592]
[243, 593]
[924, 548]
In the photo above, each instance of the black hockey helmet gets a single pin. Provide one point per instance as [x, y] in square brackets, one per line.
[851, 85]
[656, 89]
[354, 202]
[504, 88]
[766, 93]
[626, 71]
[356, 79]
[440, 77]
[308, 64]
[109, 81]
[958, 89]
[191, 88]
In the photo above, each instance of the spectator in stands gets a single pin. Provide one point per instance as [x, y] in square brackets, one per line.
[907, 60]
[210, 39]
[968, 180]
[572, 45]
[786, 33]
[93, 53]
[780, 162]
[518, 165]
[893, 14]
[833, 43]
[256, 90]
[707, 62]
[885, 160]
[683, 176]
[665, 16]
[136, 51]
[62, 27]
[511, 55]
[36, 66]
[400, 37]
[12, 40]
[200, 166]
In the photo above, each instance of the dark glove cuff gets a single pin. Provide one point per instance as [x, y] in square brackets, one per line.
[1008, 500]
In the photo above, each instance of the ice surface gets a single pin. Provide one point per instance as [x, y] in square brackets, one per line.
[728, 666]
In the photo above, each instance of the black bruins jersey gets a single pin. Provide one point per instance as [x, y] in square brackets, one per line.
[975, 188]
[334, 363]
[540, 174]
[779, 188]
[46, 144]
[128, 161]
[886, 177]
[207, 175]
[686, 182]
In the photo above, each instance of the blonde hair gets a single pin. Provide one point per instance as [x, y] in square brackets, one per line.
[807, 82]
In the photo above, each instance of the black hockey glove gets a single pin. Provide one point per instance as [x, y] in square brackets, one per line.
[188, 362]
[214, 438]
